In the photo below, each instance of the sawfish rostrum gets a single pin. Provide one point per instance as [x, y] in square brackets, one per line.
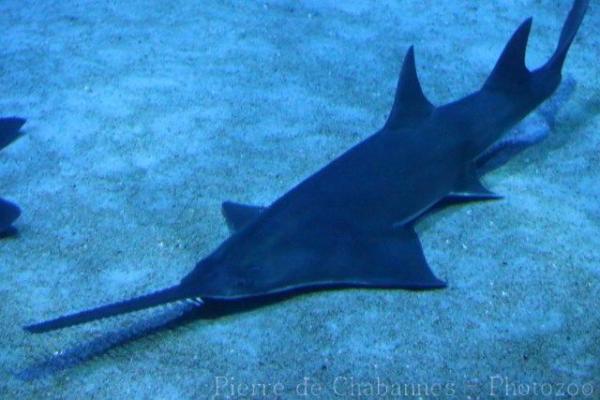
[351, 224]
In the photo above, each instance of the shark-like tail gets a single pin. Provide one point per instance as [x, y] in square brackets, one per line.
[168, 295]
[567, 35]
[510, 73]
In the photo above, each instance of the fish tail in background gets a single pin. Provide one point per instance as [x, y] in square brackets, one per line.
[10, 130]
[174, 316]
[154, 299]
[9, 212]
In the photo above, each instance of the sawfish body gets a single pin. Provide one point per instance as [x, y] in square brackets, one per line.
[351, 224]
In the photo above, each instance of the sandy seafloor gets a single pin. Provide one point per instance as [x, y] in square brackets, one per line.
[144, 116]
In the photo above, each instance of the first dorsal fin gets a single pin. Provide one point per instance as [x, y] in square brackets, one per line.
[510, 70]
[410, 104]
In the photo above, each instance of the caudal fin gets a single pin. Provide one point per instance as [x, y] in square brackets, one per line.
[154, 299]
[510, 72]
[567, 35]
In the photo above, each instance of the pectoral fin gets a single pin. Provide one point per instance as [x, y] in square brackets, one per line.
[327, 258]
[398, 259]
[391, 260]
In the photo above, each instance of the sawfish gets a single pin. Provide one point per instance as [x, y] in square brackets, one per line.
[10, 130]
[531, 131]
[351, 224]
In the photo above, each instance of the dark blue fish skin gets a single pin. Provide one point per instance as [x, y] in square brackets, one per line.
[530, 132]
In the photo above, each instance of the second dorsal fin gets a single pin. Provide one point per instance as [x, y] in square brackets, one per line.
[510, 70]
[410, 104]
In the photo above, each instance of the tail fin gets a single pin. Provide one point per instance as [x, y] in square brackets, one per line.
[154, 299]
[567, 35]
[510, 70]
